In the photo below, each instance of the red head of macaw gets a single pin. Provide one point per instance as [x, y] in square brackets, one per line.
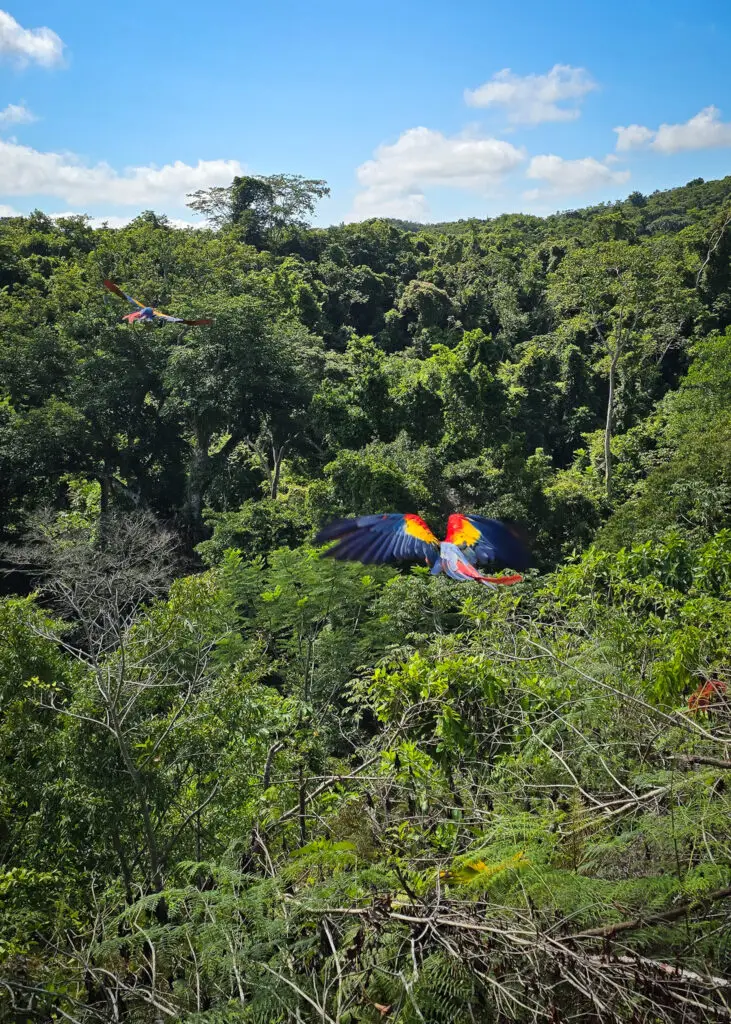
[471, 540]
[149, 313]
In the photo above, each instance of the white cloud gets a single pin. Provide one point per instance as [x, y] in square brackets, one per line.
[704, 131]
[27, 45]
[421, 155]
[26, 171]
[115, 221]
[16, 113]
[571, 177]
[179, 222]
[533, 99]
[109, 220]
[112, 220]
[394, 180]
[633, 136]
[374, 202]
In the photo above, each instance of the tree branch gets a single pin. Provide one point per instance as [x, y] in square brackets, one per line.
[187, 820]
[609, 930]
[716, 762]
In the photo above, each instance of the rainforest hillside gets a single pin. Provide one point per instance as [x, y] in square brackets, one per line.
[241, 783]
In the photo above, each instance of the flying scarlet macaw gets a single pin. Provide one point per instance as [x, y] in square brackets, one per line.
[470, 541]
[149, 313]
[711, 692]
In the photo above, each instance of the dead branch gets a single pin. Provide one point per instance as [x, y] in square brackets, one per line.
[609, 930]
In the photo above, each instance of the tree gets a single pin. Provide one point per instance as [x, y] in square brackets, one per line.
[253, 373]
[262, 206]
[100, 585]
[606, 291]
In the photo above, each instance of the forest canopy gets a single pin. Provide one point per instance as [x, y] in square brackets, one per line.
[242, 783]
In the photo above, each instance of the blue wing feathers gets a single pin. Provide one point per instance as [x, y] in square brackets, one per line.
[376, 539]
[369, 548]
[500, 542]
[342, 527]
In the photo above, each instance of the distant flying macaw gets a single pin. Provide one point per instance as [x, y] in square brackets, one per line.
[148, 313]
[470, 541]
[711, 692]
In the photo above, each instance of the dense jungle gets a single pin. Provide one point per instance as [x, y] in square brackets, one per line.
[243, 783]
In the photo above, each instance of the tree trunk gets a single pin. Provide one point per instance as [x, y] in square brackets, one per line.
[277, 456]
[123, 865]
[198, 472]
[105, 491]
[302, 815]
[194, 499]
[610, 422]
[139, 789]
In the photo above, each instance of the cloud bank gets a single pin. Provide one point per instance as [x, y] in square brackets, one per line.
[30, 172]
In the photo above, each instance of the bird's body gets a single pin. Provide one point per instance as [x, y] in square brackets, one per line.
[148, 314]
[453, 563]
[393, 537]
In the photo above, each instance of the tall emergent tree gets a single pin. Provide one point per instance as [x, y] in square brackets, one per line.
[262, 205]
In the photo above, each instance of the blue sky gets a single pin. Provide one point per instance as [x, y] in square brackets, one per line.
[430, 110]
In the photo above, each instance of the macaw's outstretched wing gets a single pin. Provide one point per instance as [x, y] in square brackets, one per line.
[180, 320]
[123, 295]
[487, 540]
[379, 539]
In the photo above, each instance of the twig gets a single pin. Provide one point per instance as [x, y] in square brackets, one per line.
[188, 818]
[321, 1011]
[321, 789]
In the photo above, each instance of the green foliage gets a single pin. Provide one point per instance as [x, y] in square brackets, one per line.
[290, 789]
[260, 207]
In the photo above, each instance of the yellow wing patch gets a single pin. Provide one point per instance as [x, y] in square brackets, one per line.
[416, 527]
[462, 532]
